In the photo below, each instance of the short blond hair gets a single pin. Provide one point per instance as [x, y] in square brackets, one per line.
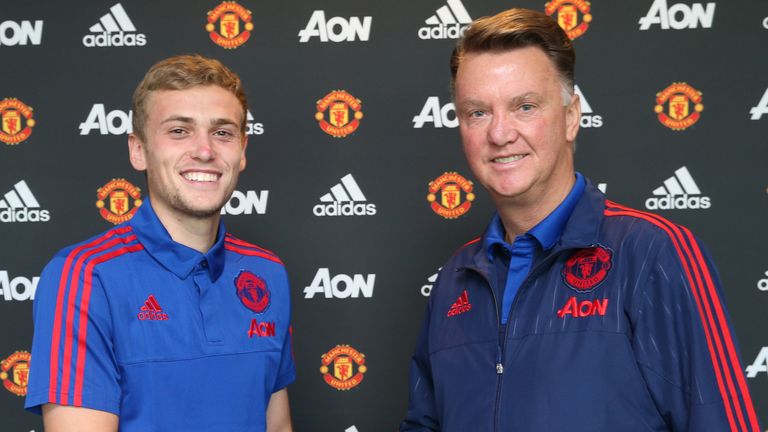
[179, 73]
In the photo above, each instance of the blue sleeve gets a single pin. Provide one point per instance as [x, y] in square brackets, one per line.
[422, 413]
[73, 361]
[685, 344]
[287, 369]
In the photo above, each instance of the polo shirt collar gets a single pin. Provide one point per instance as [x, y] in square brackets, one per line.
[548, 231]
[175, 257]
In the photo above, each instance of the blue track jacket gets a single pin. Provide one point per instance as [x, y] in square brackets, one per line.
[620, 326]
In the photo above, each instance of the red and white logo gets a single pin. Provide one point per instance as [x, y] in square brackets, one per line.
[445, 195]
[678, 98]
[338, 367]
[568, 12]
[14, 372]
[587, 268]
[229, 25]
[17, 121]
[461, 305]
[151, 311]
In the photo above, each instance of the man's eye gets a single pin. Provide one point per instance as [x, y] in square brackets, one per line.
[527, 107]
[477, 114]
[224, 133]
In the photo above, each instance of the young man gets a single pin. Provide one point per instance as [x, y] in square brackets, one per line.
[167, 322]
[571, 312]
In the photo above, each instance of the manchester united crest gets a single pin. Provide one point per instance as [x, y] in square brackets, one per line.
[118, 200]
[587, 268]
[674, 103]
[17, 121]
[450, 195]
[14, 372]
[568, 13]
[229, 25]
[343, 367]
[339, 113]
[252, 291]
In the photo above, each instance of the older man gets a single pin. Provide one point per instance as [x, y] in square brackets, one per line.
[571, 312]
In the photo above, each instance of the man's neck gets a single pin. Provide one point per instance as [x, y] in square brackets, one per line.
[196, 233]
[519, 215]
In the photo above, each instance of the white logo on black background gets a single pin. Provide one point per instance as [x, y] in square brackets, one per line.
[760, 364]
[114, 29]
[679, 16]
[762, 284]
[336, 29]
[345, 199]
[115, 122]
[340, 286]
[19, 205]
[436, 114]
[588, 120]
[678, 192]
[426, 290]
[246, 203]
[21, 33]
[448, 22]
[18, 288]
[761, 108]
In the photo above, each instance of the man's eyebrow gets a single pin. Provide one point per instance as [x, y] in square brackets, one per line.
[179, 119]
[223, 122]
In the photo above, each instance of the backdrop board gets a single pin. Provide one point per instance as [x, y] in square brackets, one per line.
[355, 173]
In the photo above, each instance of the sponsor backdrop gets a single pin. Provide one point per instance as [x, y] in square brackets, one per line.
[356, 176]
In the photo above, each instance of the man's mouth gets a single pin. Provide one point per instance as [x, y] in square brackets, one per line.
[508, 159]
[197, 176]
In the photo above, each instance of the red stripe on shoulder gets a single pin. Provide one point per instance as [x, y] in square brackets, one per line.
[473, 241]
[242, 243]
[83, 319]
[250, 252]
[56, 333]
[703, 289]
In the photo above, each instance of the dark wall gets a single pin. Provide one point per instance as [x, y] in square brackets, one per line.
[361, 279]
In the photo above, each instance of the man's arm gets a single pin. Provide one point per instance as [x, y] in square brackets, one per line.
[685, 344]
[421, 415]
[279, 413]
[58, 418]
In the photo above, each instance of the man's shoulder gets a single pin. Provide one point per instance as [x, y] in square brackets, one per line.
[237, 246]
[641, 225]
[117, 236]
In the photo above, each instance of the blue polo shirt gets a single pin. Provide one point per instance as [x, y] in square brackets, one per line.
[165, 337]
[511, 263]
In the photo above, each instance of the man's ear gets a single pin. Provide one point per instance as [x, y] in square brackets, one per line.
[242, 156]
[137, 153]
[572, 118]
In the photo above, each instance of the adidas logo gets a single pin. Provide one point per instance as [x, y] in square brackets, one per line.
[152, 310]
[588, 119]
[19, 205]
[114, 29]
[345, 199]
[448, 22]
[461, 305]
[678, 193]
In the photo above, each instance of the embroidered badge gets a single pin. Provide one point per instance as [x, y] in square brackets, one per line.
[252, 291]
[587, 268]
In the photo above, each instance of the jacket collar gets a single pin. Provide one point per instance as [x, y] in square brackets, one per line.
[581, 230]
[175, 257]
